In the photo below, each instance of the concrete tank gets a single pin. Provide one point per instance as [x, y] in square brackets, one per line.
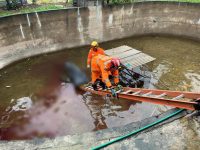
[31, 34]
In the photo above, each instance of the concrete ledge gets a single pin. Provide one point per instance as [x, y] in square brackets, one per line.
[90, 139]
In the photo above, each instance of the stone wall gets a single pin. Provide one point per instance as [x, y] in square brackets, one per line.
[31, 34]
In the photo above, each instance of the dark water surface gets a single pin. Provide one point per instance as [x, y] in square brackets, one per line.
[35, 103]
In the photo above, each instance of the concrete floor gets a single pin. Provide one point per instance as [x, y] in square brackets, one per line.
[179, 132]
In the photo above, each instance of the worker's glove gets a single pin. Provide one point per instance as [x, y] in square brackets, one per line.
[119, 87]
[113, 92]
[88, 66]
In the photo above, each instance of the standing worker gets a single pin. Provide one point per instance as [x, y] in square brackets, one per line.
[101, 67]
[94, 51]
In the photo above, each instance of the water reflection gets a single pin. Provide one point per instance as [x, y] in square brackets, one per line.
[55, 108]
[60, 112]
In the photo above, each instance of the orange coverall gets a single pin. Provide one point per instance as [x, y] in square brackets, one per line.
[100, 67]
[93, 53]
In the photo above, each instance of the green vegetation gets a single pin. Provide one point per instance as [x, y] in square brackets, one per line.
[132, 1]
[32, 8]
[190, 1]
[45, 5]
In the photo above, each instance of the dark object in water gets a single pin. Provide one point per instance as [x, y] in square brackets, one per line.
[74, 74]
[129, 78]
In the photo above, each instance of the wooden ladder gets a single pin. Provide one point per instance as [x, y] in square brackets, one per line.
[179, 99]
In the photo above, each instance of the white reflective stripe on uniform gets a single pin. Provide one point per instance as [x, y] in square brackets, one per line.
[106, 80]
[106, 63]
[105, 58]
[97, 61]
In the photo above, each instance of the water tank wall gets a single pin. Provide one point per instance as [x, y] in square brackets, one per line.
[30, 34]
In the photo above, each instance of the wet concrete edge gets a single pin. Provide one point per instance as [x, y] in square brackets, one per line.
[85, 140]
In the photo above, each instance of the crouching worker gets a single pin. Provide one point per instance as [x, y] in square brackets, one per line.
[101, 67]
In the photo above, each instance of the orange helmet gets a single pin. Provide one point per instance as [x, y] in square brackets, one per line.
[115, 63]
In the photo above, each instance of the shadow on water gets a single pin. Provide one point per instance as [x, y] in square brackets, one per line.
[58, 111]
[35, 102]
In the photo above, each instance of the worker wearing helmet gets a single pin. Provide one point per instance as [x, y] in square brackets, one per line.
[94, 51]
[102, 66]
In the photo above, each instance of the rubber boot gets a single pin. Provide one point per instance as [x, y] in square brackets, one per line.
[102, 84]
[95, 87]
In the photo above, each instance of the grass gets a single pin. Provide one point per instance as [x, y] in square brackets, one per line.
[31, 8]
[128, 1]
[190, 1]
[46, 7]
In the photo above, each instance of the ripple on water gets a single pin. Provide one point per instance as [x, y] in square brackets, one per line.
[194, 81]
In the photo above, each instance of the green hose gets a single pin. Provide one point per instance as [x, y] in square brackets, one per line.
[137, 131]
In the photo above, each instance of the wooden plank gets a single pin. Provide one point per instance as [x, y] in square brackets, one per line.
[136, 56]
[137, 60]
[129, 56]
[136, 64]
[118, 50]
[126, 54]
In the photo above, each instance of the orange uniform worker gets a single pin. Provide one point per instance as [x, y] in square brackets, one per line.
[94, 51]
[102, 66]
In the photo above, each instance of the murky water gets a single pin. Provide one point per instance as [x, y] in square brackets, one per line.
[35, 102]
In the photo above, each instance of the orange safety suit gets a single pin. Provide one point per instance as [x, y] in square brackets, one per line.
[101, 69]
[93, 53]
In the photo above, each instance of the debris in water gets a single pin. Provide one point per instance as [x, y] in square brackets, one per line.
[63, 84]
[23, 104]
[12, 100]
[87, 94]
[5, 118]
[107, 99]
